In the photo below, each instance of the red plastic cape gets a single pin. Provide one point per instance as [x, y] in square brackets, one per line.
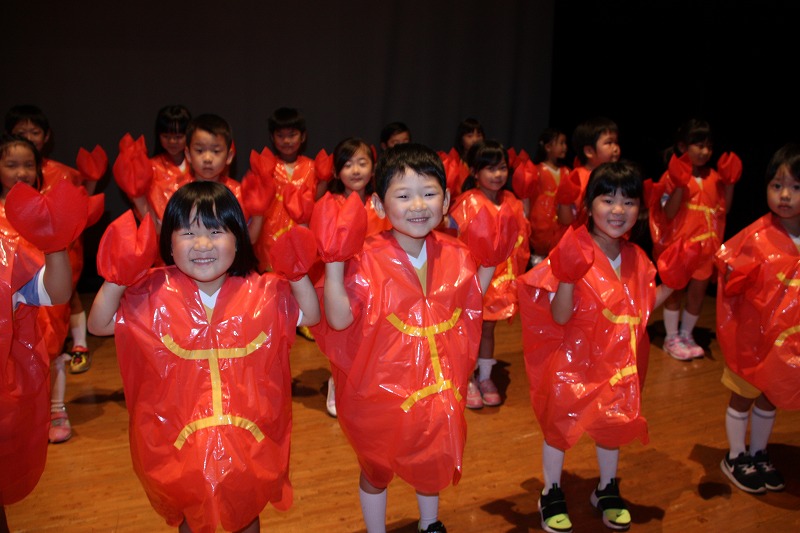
[501, 299]
[401, 368]
[209, 398]
[581, 216]
[375, 224]
[545, 229]
[587, 375]
[276, 218]
[167, 178]
[701, 218]
[757, 327]
[52, 171]
[24, 373]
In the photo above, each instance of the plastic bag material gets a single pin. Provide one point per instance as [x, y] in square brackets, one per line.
[54, 171]
[401, 369]
[757, 324]
[96, 208]
[263, 163]
[586, 376]
[132, 170]
[525, 180]
[678, 262]
[500, 300]
[729, 168]
[569, 190]
[299, 201]
[126, 252]
[257, 193]
[493, 232]
[338, 227]
[545, 229]
[294, 253]
[167, 178]
[323, 165]
[211, 461]
[49, 221]
[24, 373]
[92, 164]
[680, 170]
[573, 256]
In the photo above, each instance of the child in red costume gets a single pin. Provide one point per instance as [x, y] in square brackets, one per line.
[203, 346]
[403, 318]
[690, 201]
[25, 285]
[757, 319]
[545, 229]
[488, 187]
[468, 132]
[584, 317]
[595, 142]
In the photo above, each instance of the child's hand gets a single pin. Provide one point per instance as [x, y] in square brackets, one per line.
[569, 189]
[525, 179]
[293, 253]
[573, 256]
[48, 221]
[132, 169]
[257, 193]
[339, 232]
[126, 252]
[678, 262]
[743, 274]
[92, 165]
[680, 170]
[263, 164]
[299, 201]
[729, 168]
[491, 237]
[323, 165]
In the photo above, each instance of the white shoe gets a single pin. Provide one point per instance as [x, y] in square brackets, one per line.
[330, 401]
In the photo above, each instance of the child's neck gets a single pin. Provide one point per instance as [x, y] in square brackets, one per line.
[551, 163]
[491, 195]
[361, 193]
[410, 245]
[610, 246]
[791, 225]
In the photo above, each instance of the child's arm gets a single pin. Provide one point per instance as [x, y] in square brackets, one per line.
[58, 277]
[563, 302]
[680, 172]
[485, 275]
[565, 214]
[662, 293]
[674, 202]
[106, 303]
[255, 227]
[306, 296]
[570, 260]
[337, 304]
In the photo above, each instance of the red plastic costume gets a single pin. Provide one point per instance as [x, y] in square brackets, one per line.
[545, 229]
[401, 367]
[587, 375]
[701, 218]
[167, 178]
[277, 219]
[375, 224]
[581, 215]
[501, 299]
[758, 317]
[24, 372]
[209, 397]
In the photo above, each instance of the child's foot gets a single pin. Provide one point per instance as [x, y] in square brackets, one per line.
[81, 360]
[694, 349]
[474, 399]
[553, 510]
[436, 527]
[773, 480]
[609, 502]
[676, 348]
[330, 400]
[60, 428]
[489, 394]
[743, 473]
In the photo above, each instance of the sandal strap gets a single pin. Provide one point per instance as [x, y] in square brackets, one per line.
[612, 501]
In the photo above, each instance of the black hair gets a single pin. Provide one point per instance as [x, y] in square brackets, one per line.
[7, 141]
[171, 119]
[608, 178]
[787, 155]
[589, 132]
[468, 125]
[213, 124]
[286, 117]
[341, 155]
[217, 207]
[393, 128]
[26, 112]
[481, 155]
[411, 156]
[547, 136]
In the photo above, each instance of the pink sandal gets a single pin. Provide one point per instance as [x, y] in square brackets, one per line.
[60, 428]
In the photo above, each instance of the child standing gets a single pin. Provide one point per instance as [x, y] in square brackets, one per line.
[584, 316]
[403, 315]
[488, 187]
[394, 133]
[691, 201]
[549, 157]
[468, 132]
[756, 320]
[203, 346]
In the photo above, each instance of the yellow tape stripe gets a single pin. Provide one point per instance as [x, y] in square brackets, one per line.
[224, 420]
[219, 353]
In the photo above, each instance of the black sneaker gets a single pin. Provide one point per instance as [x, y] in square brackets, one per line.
[553, 510]
[436, 527]
[773, 480]
[743, 473]
[610, 503]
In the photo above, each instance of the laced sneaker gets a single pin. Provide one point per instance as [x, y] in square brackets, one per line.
[743, 473]
[609, 502]
[773, 480]
[80, 360]
[436, 527]
[489, 394]
[474, 399]
[553, 510]
[695, 349]
[676, 348]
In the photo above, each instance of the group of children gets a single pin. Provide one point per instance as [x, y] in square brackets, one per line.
[402, 266]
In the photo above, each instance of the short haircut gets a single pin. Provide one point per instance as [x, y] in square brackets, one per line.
[788, 155]
[342, 154]
[468, 125]
[481, 155]
[286, 117]
[546, 137]
[393, 128]
[213, 124]
[411, 156]
[608, 178]
[694, 130]
[217, 207]
[589, 132]
[21, 113]
[7, 141]
[171, 119]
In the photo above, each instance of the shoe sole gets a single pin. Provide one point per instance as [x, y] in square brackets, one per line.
[544, 525]
[677, 358]
[725, 470]
[594, 501]
[79, 371]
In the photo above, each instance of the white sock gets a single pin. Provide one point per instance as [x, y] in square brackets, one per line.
[671, 321]
[688, 322]
[373, 508]
[77, 328]
[485, 368]
[428, 510]
[761, 423]
[736, 429]
[552, 464]
[607, 460]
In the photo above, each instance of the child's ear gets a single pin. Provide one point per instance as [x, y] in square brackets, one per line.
[303, 137]
[231, 153]
[187, 155]
[589, 152]
[377, 205]
[446, 203]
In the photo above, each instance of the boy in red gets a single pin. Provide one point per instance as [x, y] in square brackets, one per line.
[757, 319]
[403, 320]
